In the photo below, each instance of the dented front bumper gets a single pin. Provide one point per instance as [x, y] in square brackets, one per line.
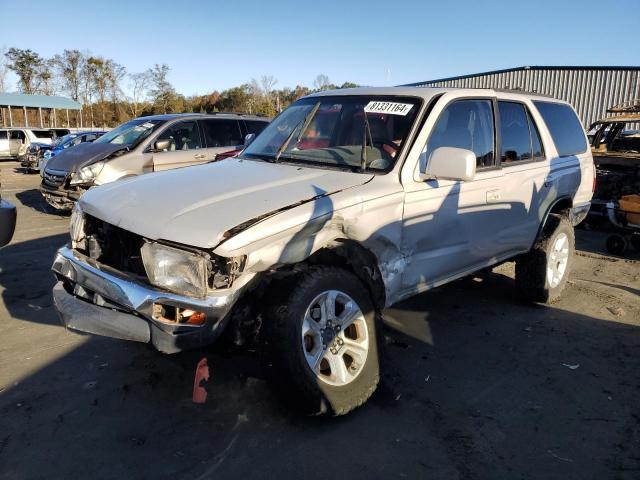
[93, 298]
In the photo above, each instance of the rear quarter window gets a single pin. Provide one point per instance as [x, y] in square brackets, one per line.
[43, 133]
[565, 128]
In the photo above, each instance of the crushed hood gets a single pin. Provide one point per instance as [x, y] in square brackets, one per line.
[73, 159]
[197, 205]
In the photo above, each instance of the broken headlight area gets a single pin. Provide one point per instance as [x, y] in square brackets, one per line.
[76, 225]
[176, 270]
[185, 271]
[87, 174]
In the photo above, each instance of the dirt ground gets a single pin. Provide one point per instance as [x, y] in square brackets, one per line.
[476, 385]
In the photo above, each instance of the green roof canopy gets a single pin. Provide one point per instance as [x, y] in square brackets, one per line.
[37, 101]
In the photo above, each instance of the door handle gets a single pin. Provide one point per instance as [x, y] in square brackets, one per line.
[199, 156]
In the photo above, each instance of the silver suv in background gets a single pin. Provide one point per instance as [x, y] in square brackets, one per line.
[348, 202]
[144, 145]
[15, 142]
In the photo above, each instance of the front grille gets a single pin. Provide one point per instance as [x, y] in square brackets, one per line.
[113, 246]
[54, 178]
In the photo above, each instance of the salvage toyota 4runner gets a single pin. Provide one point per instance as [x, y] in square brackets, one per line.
[348, 202]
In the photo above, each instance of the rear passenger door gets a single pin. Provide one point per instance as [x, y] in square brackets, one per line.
[525, 168]
[221, 135]
[185, 146]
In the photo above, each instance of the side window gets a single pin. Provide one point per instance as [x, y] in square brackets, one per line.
[514, 133]
[17, 135]
[536, 144]
[255, 126]
[222, 133]
[78, 140]
[90, 138]
[564, 126]
[182, 136]
[466, 124]
[3, 135]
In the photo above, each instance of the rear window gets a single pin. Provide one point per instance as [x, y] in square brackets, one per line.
[564, 126]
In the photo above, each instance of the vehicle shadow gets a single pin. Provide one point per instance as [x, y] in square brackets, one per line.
[26, 279]
[479, 395]
[32, 198]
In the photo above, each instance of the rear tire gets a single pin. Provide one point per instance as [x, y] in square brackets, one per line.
[541, 274]
[617, 244]
[321, 316]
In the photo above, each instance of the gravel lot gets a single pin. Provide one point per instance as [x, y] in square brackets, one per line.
[476, 385]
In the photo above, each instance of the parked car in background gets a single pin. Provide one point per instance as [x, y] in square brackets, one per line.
[348, 202]
[15, 142]
[7, 220]
[39, 153]
[144, 145]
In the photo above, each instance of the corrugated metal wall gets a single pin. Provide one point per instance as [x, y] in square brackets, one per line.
[591, 91]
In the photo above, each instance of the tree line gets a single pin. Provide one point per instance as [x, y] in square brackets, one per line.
[111, 95]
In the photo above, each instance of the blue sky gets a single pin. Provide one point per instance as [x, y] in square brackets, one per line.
[219, 44]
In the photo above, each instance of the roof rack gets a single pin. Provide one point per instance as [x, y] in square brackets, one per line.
[630, 106]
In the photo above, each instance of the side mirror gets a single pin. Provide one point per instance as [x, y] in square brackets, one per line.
[450, 163]
[161, 145]
[250, 137]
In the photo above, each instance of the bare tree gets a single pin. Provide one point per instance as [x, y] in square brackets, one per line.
[267, 82]
[116, 73]
[321, 82]
[163, 93]
[69, 67]
[139, 84]
[4, 71]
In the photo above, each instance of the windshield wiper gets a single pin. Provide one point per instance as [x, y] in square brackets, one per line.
[363, 153]
[305, 123]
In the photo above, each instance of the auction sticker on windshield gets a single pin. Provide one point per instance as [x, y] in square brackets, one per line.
[392, 108]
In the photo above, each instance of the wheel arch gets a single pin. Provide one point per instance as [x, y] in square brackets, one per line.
[561, 206]
[355, 257]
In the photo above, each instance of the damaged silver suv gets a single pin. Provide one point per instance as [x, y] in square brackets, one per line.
[348, 202]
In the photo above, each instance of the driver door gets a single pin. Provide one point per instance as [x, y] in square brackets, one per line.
[450, 227]
[185, 146]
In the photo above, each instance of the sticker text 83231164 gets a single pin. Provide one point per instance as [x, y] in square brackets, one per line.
[391, 108]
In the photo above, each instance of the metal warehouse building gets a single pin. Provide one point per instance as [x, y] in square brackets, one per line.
[591, 90]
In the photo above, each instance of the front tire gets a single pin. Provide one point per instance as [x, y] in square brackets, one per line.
[320, 338]
[541, 274]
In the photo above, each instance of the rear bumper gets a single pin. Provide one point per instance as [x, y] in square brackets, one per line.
[93, 298]
[7, 222]
[579, 212]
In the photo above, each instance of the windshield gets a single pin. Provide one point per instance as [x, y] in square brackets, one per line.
[331, 132]
[130, 133]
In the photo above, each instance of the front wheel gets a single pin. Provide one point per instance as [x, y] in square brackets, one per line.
[541, 274]
[320, 337]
